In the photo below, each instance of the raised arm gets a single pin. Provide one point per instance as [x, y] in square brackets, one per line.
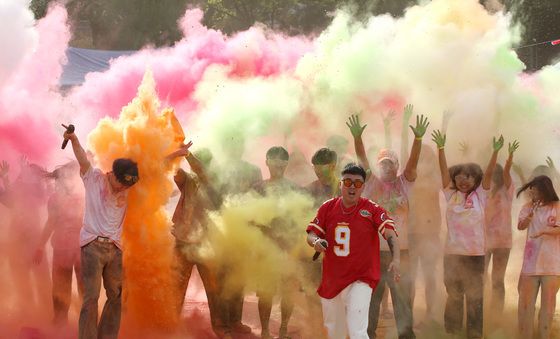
[46, 233]
[497, 144]
[356, 129]
[439, 139]
[419, 130]
[182, 151]
[407, 113]
[387, 128]
[79, 152]
[512, 147]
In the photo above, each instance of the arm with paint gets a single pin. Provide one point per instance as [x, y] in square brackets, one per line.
[497, 144]
[419, 130]
[439, 139]
[512, 147]
[79, 152]
[356, 129]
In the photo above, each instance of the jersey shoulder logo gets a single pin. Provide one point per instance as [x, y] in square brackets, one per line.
[383, 217]
[365, 213]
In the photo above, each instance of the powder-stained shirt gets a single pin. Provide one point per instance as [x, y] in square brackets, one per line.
[104, 210]
[498, 218]
[465, 221]
[353, 245]
[542, 254]
[393, 197]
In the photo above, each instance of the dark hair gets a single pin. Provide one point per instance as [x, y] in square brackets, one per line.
[126, 171]
[542, 170]
[353, 168]
[324, 156]
[470, 169]
[277, 152]
[544, 185]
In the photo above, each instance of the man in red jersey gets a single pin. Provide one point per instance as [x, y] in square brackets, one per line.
[345, 229]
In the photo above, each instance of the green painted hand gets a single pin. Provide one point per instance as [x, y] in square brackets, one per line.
[421, 126]
[439, 138]
[353, 124]
[497, 144]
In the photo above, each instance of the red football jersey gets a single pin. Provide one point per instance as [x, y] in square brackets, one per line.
[353, 251]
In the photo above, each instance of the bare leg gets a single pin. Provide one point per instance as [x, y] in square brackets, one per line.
[528, 288]
[549, 288]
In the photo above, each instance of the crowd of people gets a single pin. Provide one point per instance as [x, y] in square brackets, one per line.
[374, 228]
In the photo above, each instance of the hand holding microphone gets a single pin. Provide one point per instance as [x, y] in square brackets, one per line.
[69, 130]
[320, 245]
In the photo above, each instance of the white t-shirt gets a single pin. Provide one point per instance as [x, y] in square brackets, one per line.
[542, 254]
[104, 211]
[465, 221]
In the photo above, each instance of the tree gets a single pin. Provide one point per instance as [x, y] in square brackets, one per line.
[540, 21]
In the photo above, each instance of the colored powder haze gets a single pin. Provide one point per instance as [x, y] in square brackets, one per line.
[257, 89]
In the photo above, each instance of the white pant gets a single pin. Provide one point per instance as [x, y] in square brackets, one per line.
[347, 313]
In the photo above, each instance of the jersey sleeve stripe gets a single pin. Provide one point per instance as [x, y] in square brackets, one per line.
[317, 227]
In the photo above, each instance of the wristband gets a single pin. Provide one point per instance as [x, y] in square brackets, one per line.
[418, 138]
[188, 154]
[441, 147]
[316, 240]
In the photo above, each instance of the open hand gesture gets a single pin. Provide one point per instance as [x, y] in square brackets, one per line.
[387, 119]
[184, 149]
[421, 126]
[439, 138]
[407, 112]
[549, 162]
[513, 146]
[353, 124]
[497, 144]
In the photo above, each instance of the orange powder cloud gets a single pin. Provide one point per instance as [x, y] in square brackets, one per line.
[145, 135]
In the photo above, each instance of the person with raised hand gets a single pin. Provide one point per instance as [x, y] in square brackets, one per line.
[101, 240]
[498, 227]
[391, 191]
[466, 190]
[541, 263]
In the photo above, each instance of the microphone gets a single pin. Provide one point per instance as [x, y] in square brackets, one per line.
[317, 254]
[69, 129]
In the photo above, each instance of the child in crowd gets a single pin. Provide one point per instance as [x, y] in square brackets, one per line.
[465, 188]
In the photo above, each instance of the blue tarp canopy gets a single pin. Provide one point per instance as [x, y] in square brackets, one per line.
[82, 61]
